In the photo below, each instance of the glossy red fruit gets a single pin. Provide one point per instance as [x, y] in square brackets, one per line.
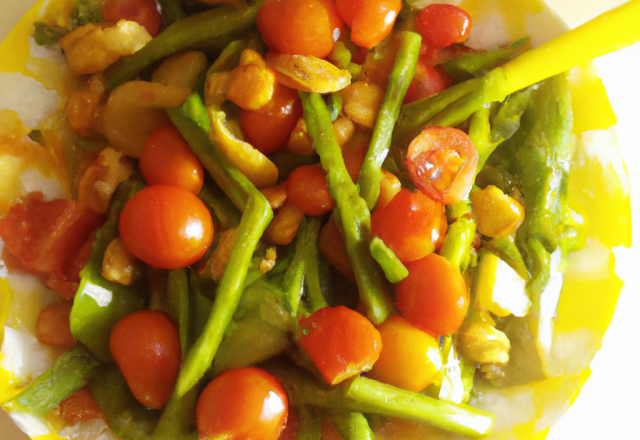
[442, 25]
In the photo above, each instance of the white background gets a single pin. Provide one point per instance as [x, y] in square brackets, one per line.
[608, 406]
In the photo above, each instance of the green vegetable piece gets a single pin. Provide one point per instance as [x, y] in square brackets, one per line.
[100, 303]
[353, 426]
[351, 211]
[127, 418]
[85, 12]
[393, 268]
[317, 276]
[45, 35]
[229, 57]
[334, 105]
[309, 425]
[211, 30]
[340, 55]
[178, 420]
[469, 65]
[293, 282]
[256, 216]
[505, 248]
[458, 241]
[71, 372]
[399, 80]
[217, 201]
[368, 396]
[171, 11]
[178, 304]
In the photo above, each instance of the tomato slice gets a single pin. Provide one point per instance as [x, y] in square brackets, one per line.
[442, 162]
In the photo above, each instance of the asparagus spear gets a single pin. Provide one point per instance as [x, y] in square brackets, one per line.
[399, 80]
[393, 268]
[171, 11]
[293, 282]
[178, 304]
[256, 216]
[71, 372]
[351, 211]
[314, 280]
[457, 242]
[353, 426]
[309, 425]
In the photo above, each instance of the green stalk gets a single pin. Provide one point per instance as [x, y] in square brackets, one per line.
[313, 281]
[353, 426]
[171, 11]
[293, 282]
[457, 243]
[309, 425]
[178, 304]
[399, 80]
[351, 211]
[256, 216]
[393, 268]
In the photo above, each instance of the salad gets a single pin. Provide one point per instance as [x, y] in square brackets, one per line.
[274, 261]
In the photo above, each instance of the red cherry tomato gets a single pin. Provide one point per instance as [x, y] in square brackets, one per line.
[442, 162]
[79, 407]
[307, 189]
[427, 82]
[341, 342]
[167, 159]
[443, 25]
[143, 12]
[247, 403]
[301, 27]
[433, 297]
[268, 130]
[166, 226]
[146, 347]
[411, 225]
[370, 20]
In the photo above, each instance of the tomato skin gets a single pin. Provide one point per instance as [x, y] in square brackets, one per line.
[411, 225]
[146, 347]
[166, 226]
[410, 358]
[427, 82]
[442, 162]
[307, 189]
[370, 20]
[300, 27]
[433, 297]
[338, 357]
[246, 403]
[167, 159]
[143, 12]
[79, 407]
[443, 25]
[269, 132]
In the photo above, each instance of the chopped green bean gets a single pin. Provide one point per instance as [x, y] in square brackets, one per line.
[458, 241]
[293, 282]
[178, 304]
[313, 279]
[393, 268]
[353, 426]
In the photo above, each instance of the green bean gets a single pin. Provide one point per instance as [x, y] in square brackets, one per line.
[309, 425]
[256, 216]
[351, 211]
[178, 304]
[178, 418]
[171, 11]
[217, 201]
[229, 57]
[313, 279]
[353, 426]
[293, 282]
[480, 134]
[212, 30]
[71, 372]
[399, 80]
[457, 242]
[393, 268]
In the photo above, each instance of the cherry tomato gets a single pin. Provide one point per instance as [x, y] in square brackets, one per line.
[442, 162]
[300, 27]
[247, 403]
[410, 224]
[443, 25]
[52, 325]
[79, 407]
[143, 12]
[341, 342]
[307, 189]
[427, 82]
[433, 297]
[146, 347]
[166, 226]
[269, 132]
[370, 20]
[289, 431]
[410, 358]
[167, 159]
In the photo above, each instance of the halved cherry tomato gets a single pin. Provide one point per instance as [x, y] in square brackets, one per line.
[410, 358]
[146, 347]
[341, 342]
[427, 82]
[247, 403]
[79, 407]
[442, 162]
[433, 297]
[167, 159]
[166, 226]
[143, 12]
[307, 189]
[269, 132]
[443, 25]
[411, 225]
[300, 27]
[370, 20]
[52, 325]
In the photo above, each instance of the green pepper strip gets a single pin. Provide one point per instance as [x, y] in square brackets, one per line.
[399, 80]
[71, 372]
[293, 282]
[352, 427]
[209, 30]
[312, 279]
[393, 268]
[351, 211]
[368, 396]
[256, 216]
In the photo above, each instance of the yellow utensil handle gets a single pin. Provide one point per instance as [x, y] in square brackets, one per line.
[606, 33]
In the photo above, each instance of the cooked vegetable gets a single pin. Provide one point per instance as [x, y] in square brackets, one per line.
[443, 25]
